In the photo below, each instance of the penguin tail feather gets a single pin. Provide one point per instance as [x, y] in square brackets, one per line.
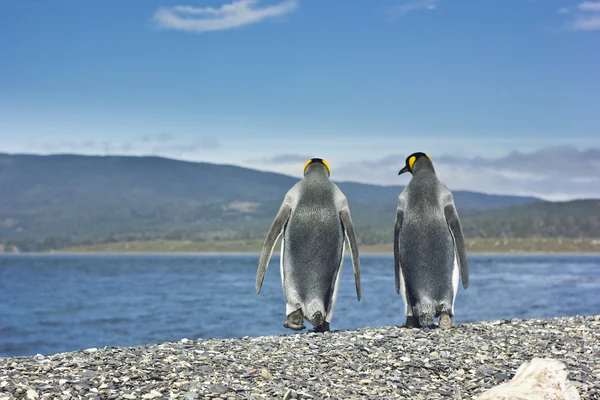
[426, 311]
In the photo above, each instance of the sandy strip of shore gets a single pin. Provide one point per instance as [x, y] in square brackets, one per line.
[368, 363]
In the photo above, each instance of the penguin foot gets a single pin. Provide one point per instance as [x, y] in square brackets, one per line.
[294, 321]
[412, 322]
[324, 327]
[445, 321]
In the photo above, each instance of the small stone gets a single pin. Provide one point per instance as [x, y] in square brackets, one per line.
[91, 350]
[153, 394]
[219, 389]
[266, 374]
[32, 394]
[369, 363]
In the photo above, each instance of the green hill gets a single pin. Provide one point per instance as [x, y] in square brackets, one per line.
[52, 202]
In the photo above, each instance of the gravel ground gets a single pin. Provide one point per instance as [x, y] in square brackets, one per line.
[369, 363]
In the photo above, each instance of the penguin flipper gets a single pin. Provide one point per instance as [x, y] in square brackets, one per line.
[351, 236]
[397, 228]
[275, 231]
[459, 241]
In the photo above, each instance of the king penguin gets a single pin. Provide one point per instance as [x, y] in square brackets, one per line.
[429, 247]
[314, 218]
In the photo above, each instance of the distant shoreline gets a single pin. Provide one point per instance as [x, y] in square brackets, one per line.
[489, 246]
[250, 253]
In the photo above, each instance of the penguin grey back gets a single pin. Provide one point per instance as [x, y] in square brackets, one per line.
[428, 242]
[313, 238]
[313, 218]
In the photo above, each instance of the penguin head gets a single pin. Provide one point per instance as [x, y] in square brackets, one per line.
[320, 161]
[411, 160]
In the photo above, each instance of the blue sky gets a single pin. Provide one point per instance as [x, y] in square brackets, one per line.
[496, 91]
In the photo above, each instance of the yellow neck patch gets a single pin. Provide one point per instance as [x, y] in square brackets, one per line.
[306, 165]
[324, 163]
[411, 161]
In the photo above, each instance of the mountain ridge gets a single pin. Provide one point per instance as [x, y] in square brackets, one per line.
[54, 201]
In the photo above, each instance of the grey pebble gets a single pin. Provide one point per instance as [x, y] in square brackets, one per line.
[220, 389]
[368, 363]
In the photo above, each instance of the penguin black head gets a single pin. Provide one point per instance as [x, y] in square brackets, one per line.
[319, 161]
[410, 161]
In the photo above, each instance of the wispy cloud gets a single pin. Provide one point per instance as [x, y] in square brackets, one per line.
[86, 146]
[413, 5]
[589, 6]
[160, 137]
[564, 162]
[553, 173]
[228, 16]
[177, 148]
[210, 142]
[281, 159]
[162, 144]
[167, 142]
[586, 16]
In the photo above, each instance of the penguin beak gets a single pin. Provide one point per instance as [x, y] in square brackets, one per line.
[403, 170]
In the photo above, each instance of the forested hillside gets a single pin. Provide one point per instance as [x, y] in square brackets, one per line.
[50, 202]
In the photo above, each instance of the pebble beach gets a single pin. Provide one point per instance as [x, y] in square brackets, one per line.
[368, 363]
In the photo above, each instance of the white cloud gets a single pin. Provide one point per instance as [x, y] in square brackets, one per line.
[415, 5]
[281, 159]
[587, 17]
[160, 137]
[210, 142]
[228, 16]
[552, 173]
[589, 6]
[591, 23]
[179, 148]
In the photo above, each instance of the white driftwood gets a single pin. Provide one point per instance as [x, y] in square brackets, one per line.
[538, 379]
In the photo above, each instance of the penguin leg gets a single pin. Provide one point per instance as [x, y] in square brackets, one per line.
[324, 327]
[445, 321]
[412, 322]
[294, 321]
